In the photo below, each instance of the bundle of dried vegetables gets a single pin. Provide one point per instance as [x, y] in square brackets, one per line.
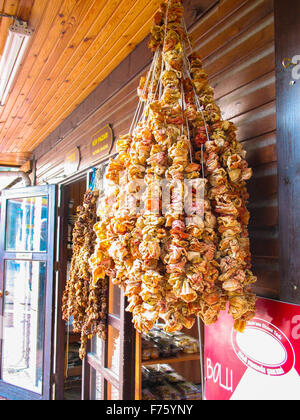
[84, 300]
[189, 255]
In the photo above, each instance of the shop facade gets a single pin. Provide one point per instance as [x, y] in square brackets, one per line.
[243, 44]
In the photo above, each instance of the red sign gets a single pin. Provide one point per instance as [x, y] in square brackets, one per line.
[263, 363]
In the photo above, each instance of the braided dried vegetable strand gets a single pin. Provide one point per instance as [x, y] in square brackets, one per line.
[84, 300]
[227, 172]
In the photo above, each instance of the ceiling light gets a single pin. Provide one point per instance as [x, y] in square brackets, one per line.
[14, 50]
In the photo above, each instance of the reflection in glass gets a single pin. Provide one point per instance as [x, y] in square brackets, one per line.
[23, 324]
[113, 349]
[97, 346]
[27, 224]
[96, 386]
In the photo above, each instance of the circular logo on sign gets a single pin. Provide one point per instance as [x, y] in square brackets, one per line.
[264, 348]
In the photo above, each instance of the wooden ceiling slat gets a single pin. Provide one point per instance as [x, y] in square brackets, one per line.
[25, 9]
[238, 20]
[64, 66]
[112, 16]
[117, 114]
[76, 44]
[51, 40]
[81, 39]
[10, 8]
[37, 102]
[103, 67]
[68, 30]
[47, 12]
[126, 96]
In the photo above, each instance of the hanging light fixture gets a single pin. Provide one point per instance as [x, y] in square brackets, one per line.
[13, 54]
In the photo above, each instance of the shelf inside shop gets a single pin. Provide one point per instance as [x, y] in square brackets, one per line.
[164, 382]
[74, 371]
[73, 364]
[170, 364]
[181, 357]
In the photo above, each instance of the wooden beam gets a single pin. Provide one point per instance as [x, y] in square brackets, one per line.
[287, 29]
[27, 167]
[14, 159]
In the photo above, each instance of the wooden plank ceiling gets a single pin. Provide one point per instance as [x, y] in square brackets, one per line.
[76, 44]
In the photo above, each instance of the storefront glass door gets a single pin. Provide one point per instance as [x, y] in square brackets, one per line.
[109, 368]
[26, 283]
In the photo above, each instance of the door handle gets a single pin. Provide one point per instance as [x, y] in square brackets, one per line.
[6, 293]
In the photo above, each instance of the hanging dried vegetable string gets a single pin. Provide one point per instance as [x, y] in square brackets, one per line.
[227, 171]
[177, 260]
[84, 300]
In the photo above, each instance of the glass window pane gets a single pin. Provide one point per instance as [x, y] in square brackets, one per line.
[113, 350]
[23, 324]
[112, 392]
[27, 224]
[97, 347]
[96, 385]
